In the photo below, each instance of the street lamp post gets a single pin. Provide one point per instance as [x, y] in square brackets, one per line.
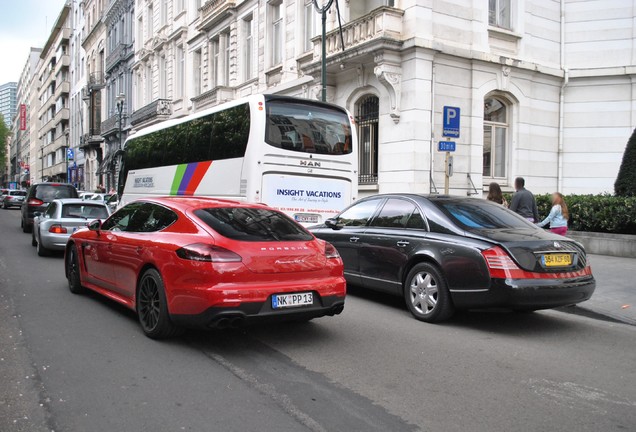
[121, 99]
[120, 110]
[323, 72]
[66, 150]
[42, 163]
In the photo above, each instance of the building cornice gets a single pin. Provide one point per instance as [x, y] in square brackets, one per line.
[115, 11]
[59, 25]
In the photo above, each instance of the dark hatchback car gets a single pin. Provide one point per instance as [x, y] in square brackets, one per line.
[444, 253]
[38, 199]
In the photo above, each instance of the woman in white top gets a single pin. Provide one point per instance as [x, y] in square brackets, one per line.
[558, 217]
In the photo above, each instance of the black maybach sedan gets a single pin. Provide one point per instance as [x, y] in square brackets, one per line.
[444, 253]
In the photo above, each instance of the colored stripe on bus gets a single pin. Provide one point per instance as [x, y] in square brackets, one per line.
[177, 179]
[188, 177]
[197, 176]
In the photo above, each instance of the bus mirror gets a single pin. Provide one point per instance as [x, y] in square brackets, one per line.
[333, 224]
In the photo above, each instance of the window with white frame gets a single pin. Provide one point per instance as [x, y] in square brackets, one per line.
[179, 6]
[496, 127]
[164, 12]
[179, 71]
[276, 17]
[195, 5]
[215, 61]
[367, 121]
[163, 78]
[140, 33]
[225, 58]
[248, 48]
[149, 24]
[139, 90]
[309, 28]
[196, 72]
[148, 83]
[499, 13]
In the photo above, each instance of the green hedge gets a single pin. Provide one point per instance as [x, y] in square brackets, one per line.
[596, 213]
[626, 181]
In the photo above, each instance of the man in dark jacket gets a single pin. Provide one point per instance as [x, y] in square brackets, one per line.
[523, 202]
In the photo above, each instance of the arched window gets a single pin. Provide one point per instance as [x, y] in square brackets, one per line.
[496, 120]
[367, 119]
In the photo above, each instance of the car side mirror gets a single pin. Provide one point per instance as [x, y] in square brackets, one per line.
[96, 226]
[333, 224]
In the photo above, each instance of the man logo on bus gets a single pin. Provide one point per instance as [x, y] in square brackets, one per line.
[309, 163]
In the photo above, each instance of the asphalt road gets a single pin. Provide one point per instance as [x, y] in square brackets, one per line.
[81, 363]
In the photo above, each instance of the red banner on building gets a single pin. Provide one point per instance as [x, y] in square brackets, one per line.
[23, 115]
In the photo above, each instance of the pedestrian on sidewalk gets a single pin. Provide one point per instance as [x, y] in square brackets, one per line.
[523, 202]
[496, 195]
[558, 217]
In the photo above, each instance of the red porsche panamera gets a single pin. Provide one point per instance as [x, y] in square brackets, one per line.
[182, 262]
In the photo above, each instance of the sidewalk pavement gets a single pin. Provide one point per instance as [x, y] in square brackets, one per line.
[615, 294]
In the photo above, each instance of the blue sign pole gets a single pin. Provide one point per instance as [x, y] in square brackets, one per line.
[450, 129]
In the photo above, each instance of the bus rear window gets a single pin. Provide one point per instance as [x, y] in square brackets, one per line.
[308, 128]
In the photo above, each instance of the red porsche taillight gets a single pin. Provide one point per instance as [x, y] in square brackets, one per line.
[331, 252]
[57, 229]
[207, 253]
[35, 202]
[500, 264]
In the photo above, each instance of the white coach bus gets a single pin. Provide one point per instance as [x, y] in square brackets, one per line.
[296, 155]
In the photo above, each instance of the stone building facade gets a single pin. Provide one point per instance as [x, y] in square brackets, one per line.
[53, 87]
[25, 131]
[118, 19]
[78, 115]
[540, 96]
[545, 88]
[91, 64]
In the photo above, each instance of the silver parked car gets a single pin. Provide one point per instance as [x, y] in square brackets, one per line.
[12, 198]
[62, 218]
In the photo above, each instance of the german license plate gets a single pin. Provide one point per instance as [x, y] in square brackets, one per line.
[306, 218]
[557, 260]
[281, 301]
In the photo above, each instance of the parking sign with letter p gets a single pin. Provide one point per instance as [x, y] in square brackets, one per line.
[451, 122]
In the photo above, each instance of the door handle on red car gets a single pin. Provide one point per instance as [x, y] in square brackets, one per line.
[354, 239]
[402, 243]
[140, 249]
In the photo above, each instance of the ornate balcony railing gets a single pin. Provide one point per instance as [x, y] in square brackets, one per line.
[213, 11]
[213, 97]
[91, 139]
[120, 53]
[96, 80]
[382, 23]
[110, 125]
[159, 109]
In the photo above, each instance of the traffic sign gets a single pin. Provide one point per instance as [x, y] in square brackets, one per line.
[451, 122]
[446, 146]
[70, 154]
